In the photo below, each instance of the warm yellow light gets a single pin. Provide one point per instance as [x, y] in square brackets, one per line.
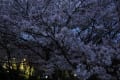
[21, 67]
[4, 66]
[32, 71]
[14, 66]
[27, 71]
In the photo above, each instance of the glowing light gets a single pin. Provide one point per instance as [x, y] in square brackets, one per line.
[21, 67]
[74, 75]
[27, 71]
[46, 76]
[24, 59]
[14, 66]
[4, 66]
[10, 67]
[32, 70]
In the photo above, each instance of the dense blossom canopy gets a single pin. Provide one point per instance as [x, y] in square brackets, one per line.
[81, 36]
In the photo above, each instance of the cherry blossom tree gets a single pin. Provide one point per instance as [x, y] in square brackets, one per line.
[80, 36]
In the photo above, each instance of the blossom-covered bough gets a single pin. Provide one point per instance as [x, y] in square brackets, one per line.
[78, 39]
